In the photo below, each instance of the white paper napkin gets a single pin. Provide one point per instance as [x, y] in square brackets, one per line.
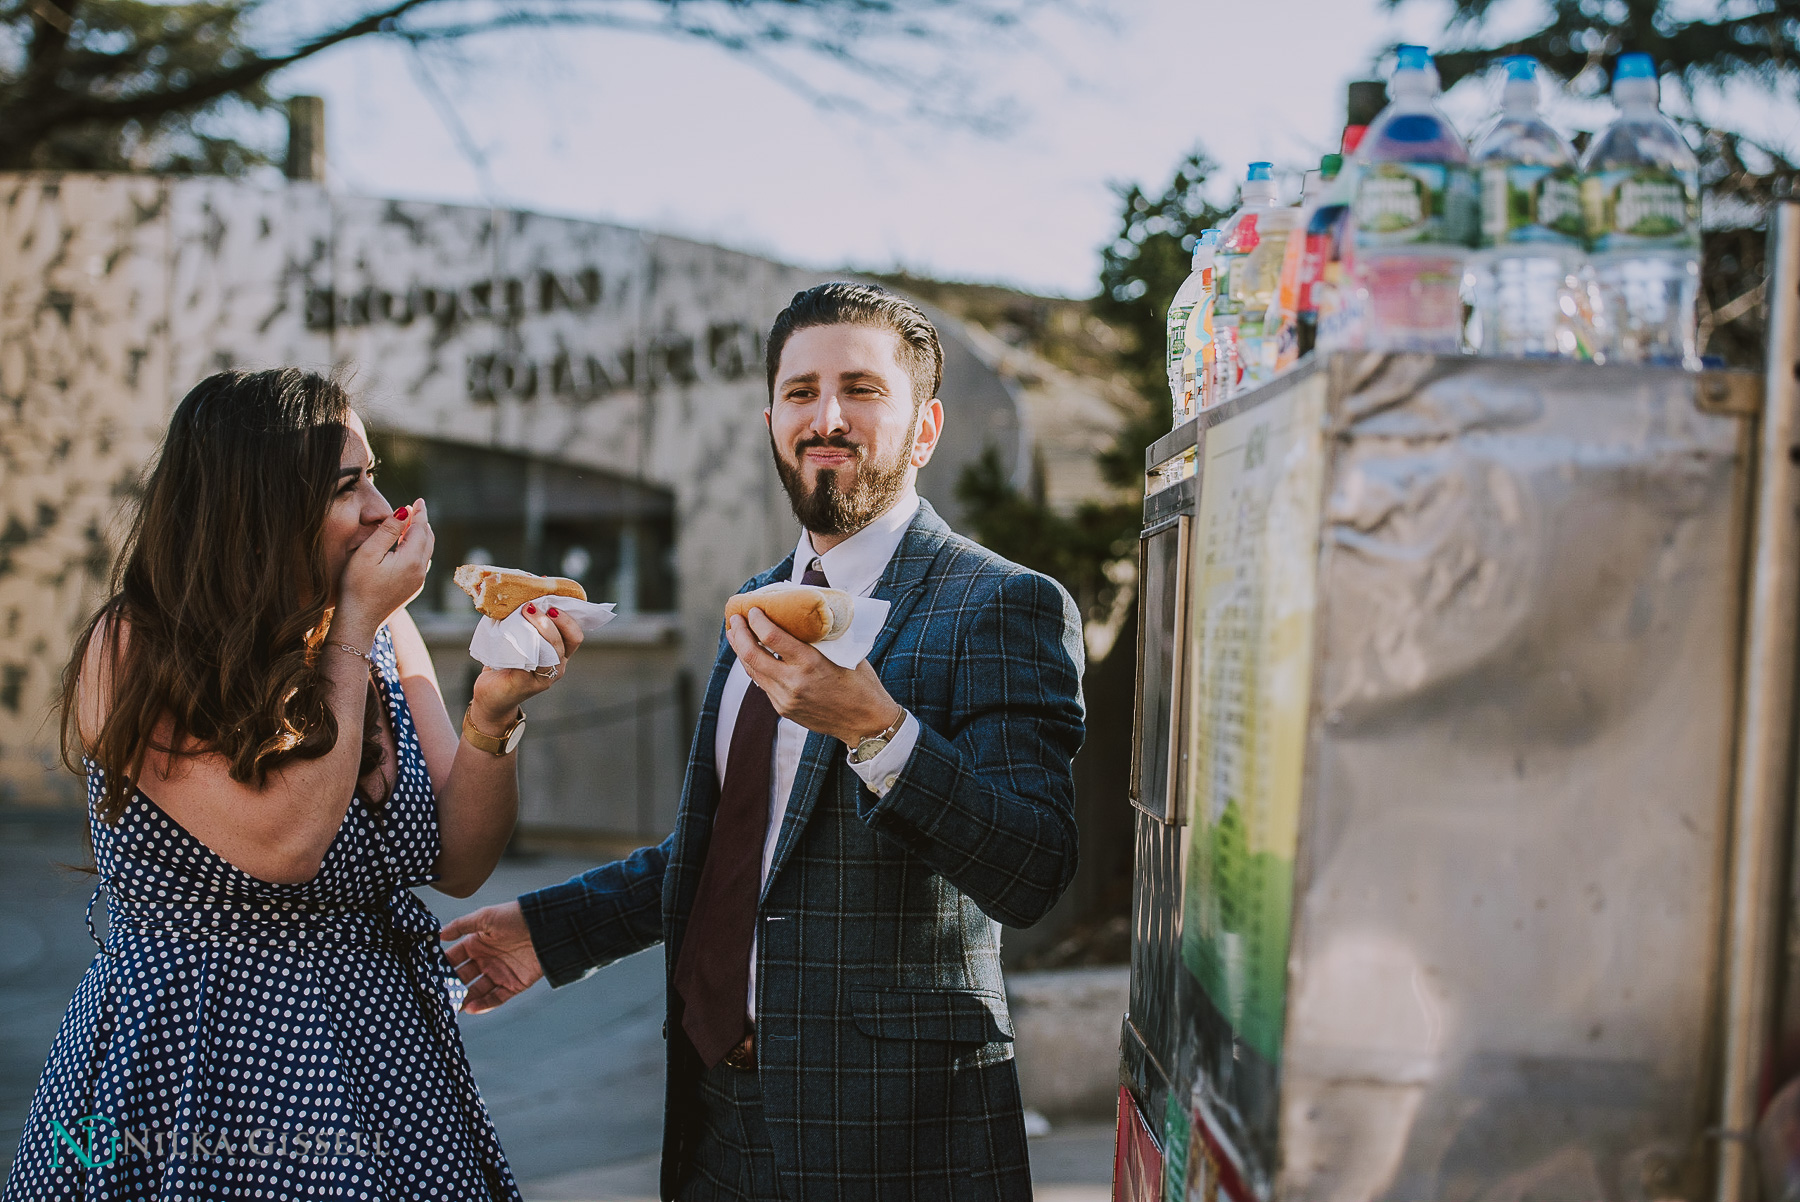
[514, 642]
[852, 647]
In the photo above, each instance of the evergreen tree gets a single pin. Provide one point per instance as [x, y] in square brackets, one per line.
[1140, 271]
[1093, 551]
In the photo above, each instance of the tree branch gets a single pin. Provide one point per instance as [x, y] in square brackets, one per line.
[757, 40]
[251, 71]
[1574, 39]
[115, 87]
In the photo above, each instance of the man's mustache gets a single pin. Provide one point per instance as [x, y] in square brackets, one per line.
[836, 442]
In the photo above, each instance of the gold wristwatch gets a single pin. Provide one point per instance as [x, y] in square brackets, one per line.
[506, 744]
[867, 749]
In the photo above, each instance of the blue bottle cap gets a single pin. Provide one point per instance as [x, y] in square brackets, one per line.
[1412, 58]
[1521, 66]
[1635, 66]
[1260, 171]
[1209, 237]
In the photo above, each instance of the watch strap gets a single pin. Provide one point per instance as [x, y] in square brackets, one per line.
[876, 744]
[481, 741]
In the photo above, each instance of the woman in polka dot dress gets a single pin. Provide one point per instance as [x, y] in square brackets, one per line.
[270, 1015]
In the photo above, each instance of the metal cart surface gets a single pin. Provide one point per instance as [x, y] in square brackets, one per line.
[1463, 779]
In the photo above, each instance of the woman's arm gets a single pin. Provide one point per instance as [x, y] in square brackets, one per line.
[281, 831]
[438, 733]
[477, 792]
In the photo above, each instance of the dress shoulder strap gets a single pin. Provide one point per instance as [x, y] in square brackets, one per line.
[409, 819]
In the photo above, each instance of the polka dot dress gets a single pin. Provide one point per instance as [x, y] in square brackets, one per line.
[241, 1039]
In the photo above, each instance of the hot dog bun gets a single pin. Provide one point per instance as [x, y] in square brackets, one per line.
[809, 613]
[498, 591]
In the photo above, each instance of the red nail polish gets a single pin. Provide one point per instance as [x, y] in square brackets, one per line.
[400, 513]
[552, 613]
[531, 609]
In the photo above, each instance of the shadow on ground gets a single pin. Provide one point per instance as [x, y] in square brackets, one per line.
[573, 1077]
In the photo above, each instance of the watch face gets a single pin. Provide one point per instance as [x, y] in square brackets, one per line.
[513, 737]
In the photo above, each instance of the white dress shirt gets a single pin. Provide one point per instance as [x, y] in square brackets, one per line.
[855, 566]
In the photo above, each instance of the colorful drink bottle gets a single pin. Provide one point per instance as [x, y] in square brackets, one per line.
[1242, 277]
[1190, 341]
[1320, 289]
[1293, 295]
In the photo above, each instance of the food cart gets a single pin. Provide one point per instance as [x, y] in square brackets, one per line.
[1463, 781]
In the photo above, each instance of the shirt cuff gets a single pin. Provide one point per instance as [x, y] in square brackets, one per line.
[881, 772]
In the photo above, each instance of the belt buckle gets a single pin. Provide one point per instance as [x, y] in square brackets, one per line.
[744, 1055]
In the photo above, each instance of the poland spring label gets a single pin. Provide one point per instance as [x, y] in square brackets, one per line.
[1521, 203]
[1409, 204]
[1642, 208]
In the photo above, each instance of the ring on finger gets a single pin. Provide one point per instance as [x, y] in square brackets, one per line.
[550, 673]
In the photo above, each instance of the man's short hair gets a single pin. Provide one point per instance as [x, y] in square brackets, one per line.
[844, 303]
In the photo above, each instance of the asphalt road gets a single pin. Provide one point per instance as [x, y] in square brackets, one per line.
[573, 1077]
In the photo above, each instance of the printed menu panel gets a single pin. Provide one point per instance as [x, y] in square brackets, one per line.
[1251, 599]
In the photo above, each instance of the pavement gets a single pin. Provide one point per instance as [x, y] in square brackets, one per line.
[573, 1077]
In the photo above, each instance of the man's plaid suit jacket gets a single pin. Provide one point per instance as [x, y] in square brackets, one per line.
[883, 1038]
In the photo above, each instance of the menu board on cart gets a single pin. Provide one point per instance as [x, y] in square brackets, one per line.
[1252, 594]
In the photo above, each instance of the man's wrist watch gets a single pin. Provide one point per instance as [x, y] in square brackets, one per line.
[874, 745]
[506, 744]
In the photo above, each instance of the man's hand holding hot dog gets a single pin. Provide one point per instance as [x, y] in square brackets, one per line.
[806, 688]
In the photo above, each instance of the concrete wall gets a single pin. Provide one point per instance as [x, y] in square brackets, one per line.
[592, 345]
[1066, 1038]
[605, 750]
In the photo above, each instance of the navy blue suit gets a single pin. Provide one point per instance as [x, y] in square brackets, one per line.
[884, 1044]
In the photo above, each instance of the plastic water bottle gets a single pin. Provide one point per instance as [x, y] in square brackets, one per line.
[1187, 336]
[1413, 217]
[1198, 365]
[1256, 281]
[1249, 263]
[1531, 228]
[1291, 295]
[1318, 322]
[1321, 316]
[1640, 191]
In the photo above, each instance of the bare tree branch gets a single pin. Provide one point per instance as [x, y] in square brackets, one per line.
[232, 79]
[116, 62]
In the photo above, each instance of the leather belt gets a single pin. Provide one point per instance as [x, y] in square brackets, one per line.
[744, 1055]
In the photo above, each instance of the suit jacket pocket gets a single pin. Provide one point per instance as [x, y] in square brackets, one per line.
[948, 1015]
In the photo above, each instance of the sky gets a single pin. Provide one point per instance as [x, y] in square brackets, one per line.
[687, 139]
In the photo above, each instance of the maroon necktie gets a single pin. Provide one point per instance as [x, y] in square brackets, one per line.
[712, 973]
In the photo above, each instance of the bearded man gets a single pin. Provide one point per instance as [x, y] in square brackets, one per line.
[849, 840]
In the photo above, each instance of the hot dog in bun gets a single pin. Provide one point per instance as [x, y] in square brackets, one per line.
[809, 613]
[498, 591]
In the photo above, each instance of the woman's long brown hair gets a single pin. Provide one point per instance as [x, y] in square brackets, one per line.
[221, 589]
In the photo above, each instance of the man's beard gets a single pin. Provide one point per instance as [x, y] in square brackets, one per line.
[826, 509]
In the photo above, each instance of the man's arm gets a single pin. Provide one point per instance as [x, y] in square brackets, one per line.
[992, 806]
[604, 914]
[563, 932]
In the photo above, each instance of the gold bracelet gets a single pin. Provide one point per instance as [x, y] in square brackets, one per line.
[362, 655]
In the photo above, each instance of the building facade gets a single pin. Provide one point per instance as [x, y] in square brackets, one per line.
[569, 397]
